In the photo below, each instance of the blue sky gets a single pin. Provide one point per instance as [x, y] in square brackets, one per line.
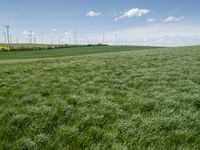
[92, 17]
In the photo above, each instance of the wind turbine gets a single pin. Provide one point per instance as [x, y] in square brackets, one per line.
[116, 36]
[103, 38]
[53, 36]
[17, 40]
[35, 39]
[30, 35]
[75, 40]
[7, 32]
[4, 34]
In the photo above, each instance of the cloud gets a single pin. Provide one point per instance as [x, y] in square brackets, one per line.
[28, 33]
[93, 14]
[180, 8]
[145, 40]
[54, 30]
[25, 32]
[161, 35]
[173, 19]
[135, 12]
[151, 20]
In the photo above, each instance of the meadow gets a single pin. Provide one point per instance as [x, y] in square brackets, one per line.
[108, 98]
[69, 51]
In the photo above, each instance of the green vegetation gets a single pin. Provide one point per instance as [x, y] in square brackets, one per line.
[68, 52]
[124, 100]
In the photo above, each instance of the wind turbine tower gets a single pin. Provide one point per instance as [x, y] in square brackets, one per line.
[75, 36]
[103, 38]
[116, 41]
[30, 34]
[7, 33]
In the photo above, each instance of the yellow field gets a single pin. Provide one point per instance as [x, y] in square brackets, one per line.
[3, 47]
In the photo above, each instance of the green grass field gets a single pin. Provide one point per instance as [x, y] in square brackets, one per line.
[133, 99]
[68, 52]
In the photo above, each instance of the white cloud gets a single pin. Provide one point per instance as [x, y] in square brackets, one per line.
[151, 20]
[160, 40]
[162, 35]
[173, 19]
[135, 12]
[28, 33]
[145, 40]
[54, 30]
[25, 32]
[93, 14]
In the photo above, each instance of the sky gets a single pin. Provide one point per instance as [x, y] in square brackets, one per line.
[127, 22]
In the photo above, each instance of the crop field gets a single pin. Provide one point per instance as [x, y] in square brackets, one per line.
[127, 98]
[61, 52]
[26, 47]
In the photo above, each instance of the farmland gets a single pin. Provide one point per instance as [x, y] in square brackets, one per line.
[22, 47]
[61, 52]
[108, 98]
